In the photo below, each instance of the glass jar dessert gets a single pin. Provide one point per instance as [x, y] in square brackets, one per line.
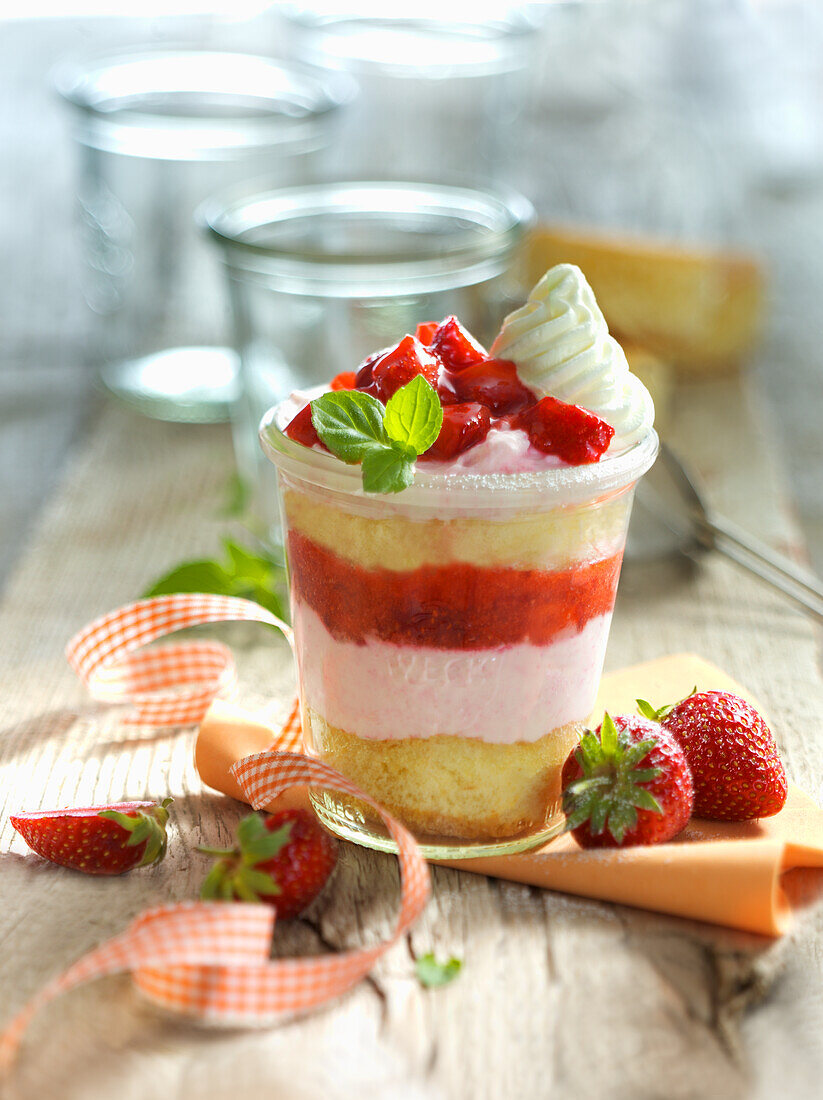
[450, 636]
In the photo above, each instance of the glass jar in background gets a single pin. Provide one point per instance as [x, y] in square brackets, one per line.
[157, 133]
[439, 97]
[319, 277]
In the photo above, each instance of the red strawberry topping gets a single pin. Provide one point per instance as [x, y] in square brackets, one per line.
[643, 792]
[98, 840]
[397, 367]
[283, 859]
[363, 377]
[301, 429]
[425, 332]
[737, 770]
[463, 426]
[346, 380]
[481, 390]
[568, 431]
[456, 347]
[494, 383]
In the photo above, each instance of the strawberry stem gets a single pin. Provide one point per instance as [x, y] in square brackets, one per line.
[147, 827]
[658, 714]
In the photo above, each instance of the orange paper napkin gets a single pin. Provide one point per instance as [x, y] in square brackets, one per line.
[726, 873]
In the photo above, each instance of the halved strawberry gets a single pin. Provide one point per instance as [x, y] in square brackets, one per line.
[463, 426]
[398, 366]
[301, 429]
[494, 383]
[346, 380]
[568, 431]
[283, 859]
[455, 345]
[98, 840]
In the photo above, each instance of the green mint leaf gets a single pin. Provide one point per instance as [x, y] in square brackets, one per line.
[414, 415]
[387, 470]
[194, 576]
[245, 565]
[254, 576]
[431, 973]
[238, 497]
[350, 423]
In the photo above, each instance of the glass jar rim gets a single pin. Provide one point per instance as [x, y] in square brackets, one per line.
[508, 34]
[290, 99]
[234, 218]
[465, 492]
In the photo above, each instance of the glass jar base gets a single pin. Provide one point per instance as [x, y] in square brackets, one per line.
[344, 817]
[192, 385]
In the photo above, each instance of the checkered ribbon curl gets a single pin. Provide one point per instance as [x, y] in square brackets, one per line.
[210, 960]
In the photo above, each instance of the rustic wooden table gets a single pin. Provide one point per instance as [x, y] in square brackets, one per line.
[558, 996]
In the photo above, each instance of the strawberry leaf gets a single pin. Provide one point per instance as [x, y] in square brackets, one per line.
[211, 889]
[257, 844]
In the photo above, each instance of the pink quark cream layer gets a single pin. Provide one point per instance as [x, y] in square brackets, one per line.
[381, 691]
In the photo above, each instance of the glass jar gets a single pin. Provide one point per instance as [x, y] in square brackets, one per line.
[450, 638]
[321, 276]
[157, 133]
[440, 95]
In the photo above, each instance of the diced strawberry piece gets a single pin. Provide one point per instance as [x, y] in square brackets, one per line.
[463, 426]
[301, 429]
[446, 390]
[494, 383]
[425, 332]
[397, 367]
[568, 431]
[455, 346]
[363, 378]
[346, 380]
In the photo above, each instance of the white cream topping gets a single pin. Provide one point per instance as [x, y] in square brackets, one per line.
[561, 347]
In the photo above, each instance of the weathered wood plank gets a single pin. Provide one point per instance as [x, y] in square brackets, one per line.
[559, 996]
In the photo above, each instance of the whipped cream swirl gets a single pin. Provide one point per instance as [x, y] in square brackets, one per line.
[561, 346]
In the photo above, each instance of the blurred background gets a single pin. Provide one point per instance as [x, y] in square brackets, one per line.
[184, 226]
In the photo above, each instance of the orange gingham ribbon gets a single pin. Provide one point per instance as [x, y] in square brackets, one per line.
[210, 960]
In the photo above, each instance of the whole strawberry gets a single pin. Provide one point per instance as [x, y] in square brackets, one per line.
[98, 840]
[283, 859]
[626, 783]
[738, 774]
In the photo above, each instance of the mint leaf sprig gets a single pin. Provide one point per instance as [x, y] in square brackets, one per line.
[384, 440]
[242, 572]
[432, 973]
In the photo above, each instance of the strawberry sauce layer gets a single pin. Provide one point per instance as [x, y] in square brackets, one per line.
[455, 606]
